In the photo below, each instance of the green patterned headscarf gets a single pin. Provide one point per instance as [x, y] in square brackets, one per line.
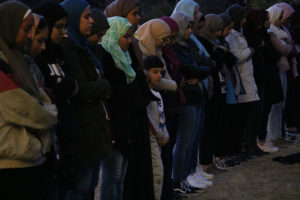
[110, 42]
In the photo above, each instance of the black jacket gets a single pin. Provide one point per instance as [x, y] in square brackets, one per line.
[92, 140]
[190, 69]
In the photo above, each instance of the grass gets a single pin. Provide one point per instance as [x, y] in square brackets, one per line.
[257, 179]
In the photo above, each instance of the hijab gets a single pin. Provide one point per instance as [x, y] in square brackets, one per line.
[237, 13]
[149, 32]
[186, 6]
[12, 14]
[120, 8]
[183, 21]
[213, 23]
[287, 10]
[52, 12]
[255, 18]
[100, 21]
[274, 13]
[75, 8]
[171, 23]
[110, 42]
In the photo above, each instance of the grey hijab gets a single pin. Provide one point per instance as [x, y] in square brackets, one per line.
[183, 21]
[12, 14]
[213, 23]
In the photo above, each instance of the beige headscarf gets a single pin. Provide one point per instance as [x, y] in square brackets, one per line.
[213, 23]
[147, 35]
[149, 32]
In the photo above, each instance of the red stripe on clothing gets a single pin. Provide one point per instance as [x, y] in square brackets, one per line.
[6, 83]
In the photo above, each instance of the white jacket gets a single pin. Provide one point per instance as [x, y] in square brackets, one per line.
[239, 48]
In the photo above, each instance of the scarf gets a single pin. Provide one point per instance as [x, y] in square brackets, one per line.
[237, 13]
[120, 8]
[75, 8]
[110, 42]
[186, 6]
[12, 14]
[213, 23]
[183, 21]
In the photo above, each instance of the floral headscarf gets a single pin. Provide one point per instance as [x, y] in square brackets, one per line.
[110, 42]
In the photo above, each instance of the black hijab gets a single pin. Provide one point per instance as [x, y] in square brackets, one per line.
[237, 13]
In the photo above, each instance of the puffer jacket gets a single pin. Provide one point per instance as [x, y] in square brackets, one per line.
[25, 124]
[243, 53]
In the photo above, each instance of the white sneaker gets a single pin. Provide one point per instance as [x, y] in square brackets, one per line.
[202, 180]
[193, 182]
[202, 173]
[267, 147]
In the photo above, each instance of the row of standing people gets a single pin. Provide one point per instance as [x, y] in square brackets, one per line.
[110, 110]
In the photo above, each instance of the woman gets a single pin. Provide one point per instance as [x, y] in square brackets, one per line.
[128, 103]
[26, 137]
[91, 141]
[186, 111]
[130, 10]
[247, 102]
[265, 71]
[189, 7]
[283, 43]
[292, 73]
[152, 36]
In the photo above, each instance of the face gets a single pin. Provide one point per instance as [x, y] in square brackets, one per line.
[188, 31]
[96, 38]
[134, 16]
[243, 21]
[125, 40]
[25, 33]
[39, 42]
[196, 14]
[86, 22]
[267, 22]
[59, 30]
[155, 74]
[199, 27]
[227, 30]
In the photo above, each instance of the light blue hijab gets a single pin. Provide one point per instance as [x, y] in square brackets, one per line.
[188, 7]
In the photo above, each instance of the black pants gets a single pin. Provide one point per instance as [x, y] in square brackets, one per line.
[25, 183]
[212, 128]
[247, 121]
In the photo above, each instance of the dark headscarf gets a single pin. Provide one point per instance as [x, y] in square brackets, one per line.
[226, 20]
[52, 13]
[213, 23]
[75, 8]
[255, 18]
[237, 13]
[120, 8]
[100, 21]
[12, 14]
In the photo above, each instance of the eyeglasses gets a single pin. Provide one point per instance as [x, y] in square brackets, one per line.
[61, 27]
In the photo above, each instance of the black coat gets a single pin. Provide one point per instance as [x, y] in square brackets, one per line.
[130, 128]
[92, 139]
[266, 72]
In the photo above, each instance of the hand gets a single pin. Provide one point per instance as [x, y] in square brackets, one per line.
[162, 141]
[192, 81]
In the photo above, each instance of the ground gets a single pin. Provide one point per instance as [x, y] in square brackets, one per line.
[257, 179]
